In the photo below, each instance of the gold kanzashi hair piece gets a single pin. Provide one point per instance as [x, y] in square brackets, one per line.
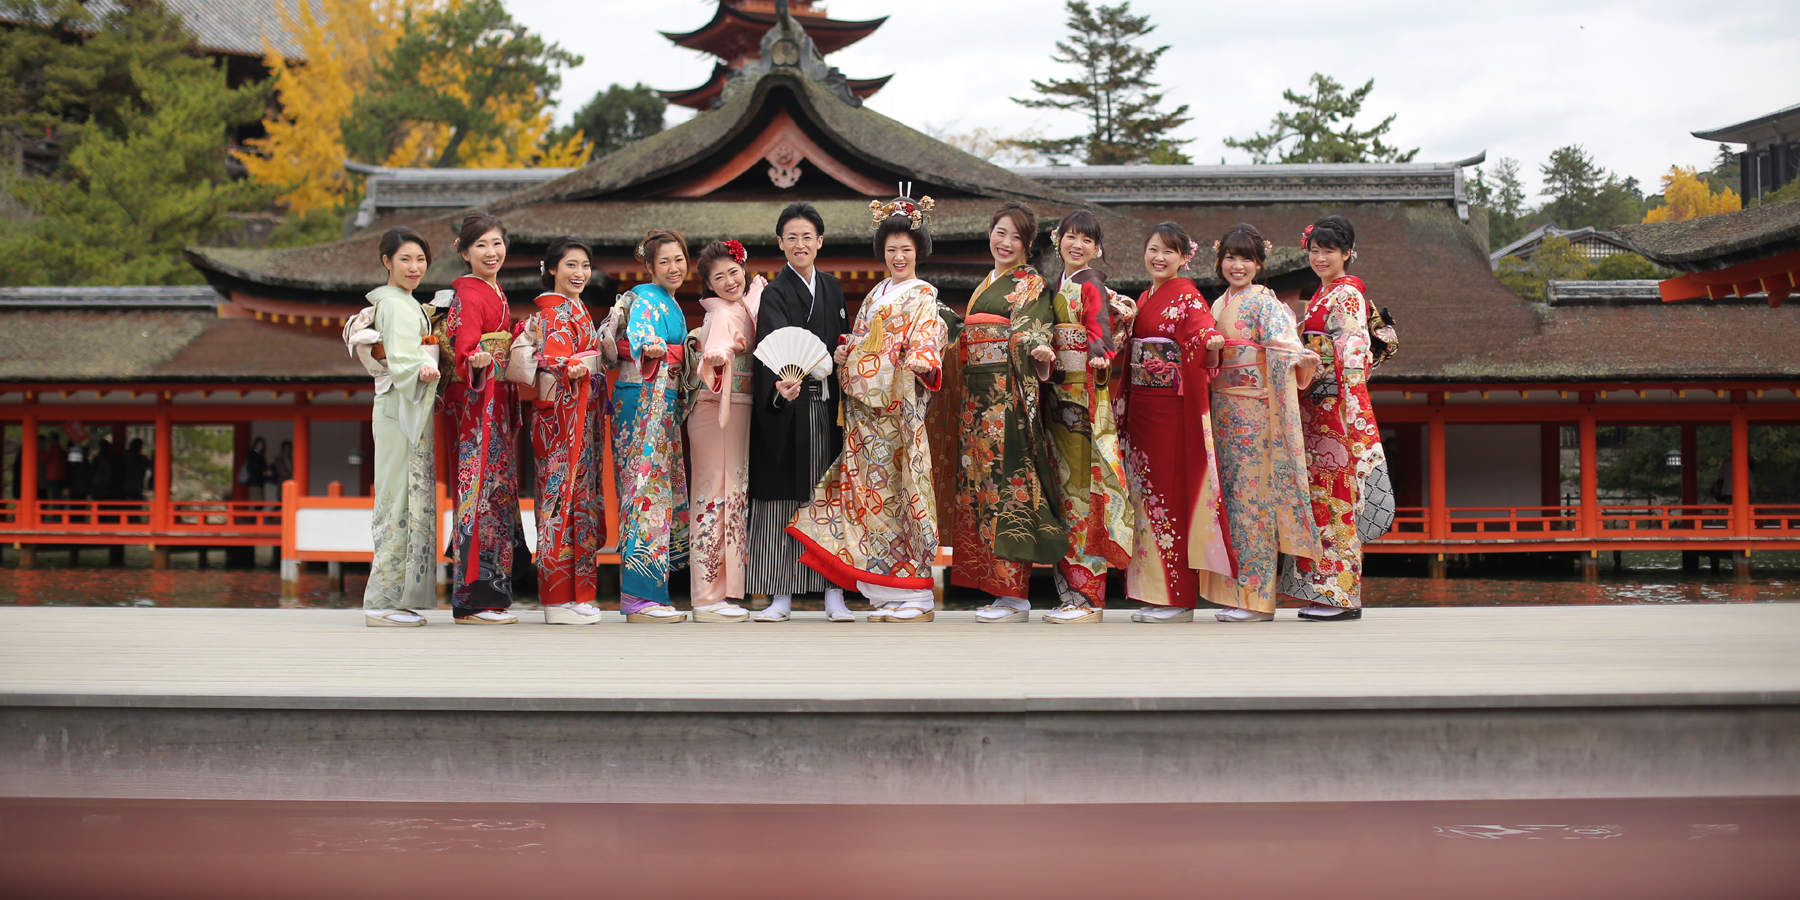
[903, 205]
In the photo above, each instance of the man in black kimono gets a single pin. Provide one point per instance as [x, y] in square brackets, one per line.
[794, 430]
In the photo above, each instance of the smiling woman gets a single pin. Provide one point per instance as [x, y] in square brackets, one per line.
[402, 573]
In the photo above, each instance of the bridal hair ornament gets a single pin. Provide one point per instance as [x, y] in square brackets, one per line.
[903, 205]
[738, 254]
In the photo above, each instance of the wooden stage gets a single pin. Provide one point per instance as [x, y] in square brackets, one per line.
[1407, 704]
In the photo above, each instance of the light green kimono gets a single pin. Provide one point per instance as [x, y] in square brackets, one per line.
[405, 523]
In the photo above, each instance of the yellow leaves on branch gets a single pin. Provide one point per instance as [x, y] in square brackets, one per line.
[303, 153]
[340, 42]
[1686, 196]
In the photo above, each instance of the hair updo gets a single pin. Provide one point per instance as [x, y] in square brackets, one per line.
[1244, 241]
[711, 255]
[1024, 220]
[1333, 233]
[553, 257]
[900, 223]
[652, 243]
[474, 227]
[395, 238]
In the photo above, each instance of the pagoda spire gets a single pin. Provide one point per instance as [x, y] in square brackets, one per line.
[735, 37]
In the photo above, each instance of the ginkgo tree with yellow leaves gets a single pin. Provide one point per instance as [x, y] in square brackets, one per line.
[406, 83]
[1687, 196]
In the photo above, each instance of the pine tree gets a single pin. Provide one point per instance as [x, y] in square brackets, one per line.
[123, 206]
[470, 70]
[1502, 194]
[1583, 194]
[618, 116]
[1311, 128]
[1114, 91]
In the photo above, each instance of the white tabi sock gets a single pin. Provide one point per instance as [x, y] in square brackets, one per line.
[1162, 612]
[782, 603]
[834, 601]
[1018, 603]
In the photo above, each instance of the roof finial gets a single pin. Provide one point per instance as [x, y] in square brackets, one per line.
[781, 9]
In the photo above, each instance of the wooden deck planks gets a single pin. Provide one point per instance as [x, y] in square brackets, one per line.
[1399, 657]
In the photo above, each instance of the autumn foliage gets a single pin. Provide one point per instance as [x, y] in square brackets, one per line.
[1687, 196]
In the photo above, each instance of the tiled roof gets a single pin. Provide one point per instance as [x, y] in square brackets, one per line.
[241, 27]
[165, 345]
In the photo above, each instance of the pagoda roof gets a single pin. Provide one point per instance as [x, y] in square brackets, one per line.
[703, 97]
[736, 30]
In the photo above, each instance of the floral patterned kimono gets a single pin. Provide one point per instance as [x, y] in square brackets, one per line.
[402, 574]
[872, 521]
[719, 451]
[1170, 465]
[1006, 516]
[653, 509]
[486, 412]
[1262, 458]
[1090, 473]
[1343, 444]
[565, 435]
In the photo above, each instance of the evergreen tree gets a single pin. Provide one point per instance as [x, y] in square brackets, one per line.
[618, 116]
[143, 121]
[1501, 193]
[469, 68]
[1313, 128]
[1582, 194]
[1113, 90]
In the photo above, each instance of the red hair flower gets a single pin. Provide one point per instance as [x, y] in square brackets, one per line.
[737, 251]
[1305, 237]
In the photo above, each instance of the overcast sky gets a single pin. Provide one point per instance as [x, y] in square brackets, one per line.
[1627, 80]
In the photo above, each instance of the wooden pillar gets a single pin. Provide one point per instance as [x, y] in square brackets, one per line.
[334, 577]
[240, 452]
[1690, 464]
[1740, 472]
[1549, 465]
[1439, 516]
[302, 444]
[28, 466]
[164, 467]
[159, 556]
[1407, 460]
[1590, 478]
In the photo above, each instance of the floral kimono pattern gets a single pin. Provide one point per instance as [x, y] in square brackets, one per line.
[872, 519]
[653, 510]
[1262, 456]
[1170, 463]
[1085, 441]
[1006, 513]
[1343, 444]
[402, 574]
[719, 454]
[485, 409]
[565, 434]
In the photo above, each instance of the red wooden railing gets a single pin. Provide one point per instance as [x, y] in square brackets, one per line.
[1775, 520]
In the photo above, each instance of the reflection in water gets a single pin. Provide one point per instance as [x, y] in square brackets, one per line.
[1646, 578]
[197, 850]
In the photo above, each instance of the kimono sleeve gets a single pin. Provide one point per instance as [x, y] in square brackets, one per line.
[401, 330]
[642, 328]
[927, 334]
[1347, 321]
[465, 333]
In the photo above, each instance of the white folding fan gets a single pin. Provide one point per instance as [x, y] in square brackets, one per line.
[791, 352]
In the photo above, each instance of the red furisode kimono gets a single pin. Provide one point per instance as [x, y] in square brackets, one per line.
[566, 436]
[1343, 444]
[1167, 439]
[484, 408]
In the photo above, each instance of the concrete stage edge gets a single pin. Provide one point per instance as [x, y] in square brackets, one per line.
[1665, 703]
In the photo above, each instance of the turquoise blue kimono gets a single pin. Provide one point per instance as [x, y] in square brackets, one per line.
[653, 504]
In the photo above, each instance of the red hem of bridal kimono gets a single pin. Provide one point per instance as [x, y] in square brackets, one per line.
[842, 574]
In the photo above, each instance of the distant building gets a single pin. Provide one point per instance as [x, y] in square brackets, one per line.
[1592, 243]
[1770, 159]
[735, 36]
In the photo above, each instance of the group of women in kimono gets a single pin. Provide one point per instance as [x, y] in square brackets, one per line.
[1225, 457]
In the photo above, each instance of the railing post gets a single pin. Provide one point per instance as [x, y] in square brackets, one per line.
[290, 562]
[1590, 476]
[1437, 519]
